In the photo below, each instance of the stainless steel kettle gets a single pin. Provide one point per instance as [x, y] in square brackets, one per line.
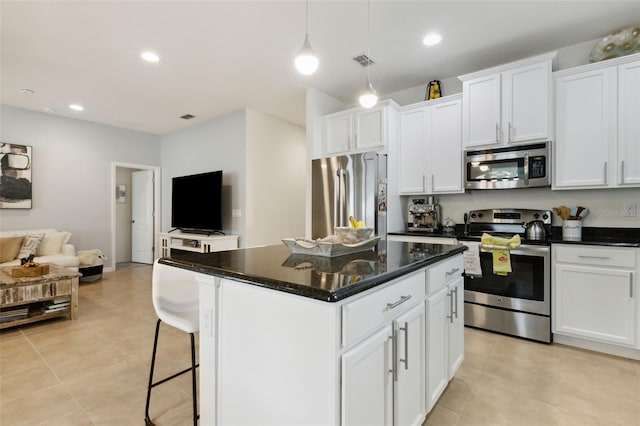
[535, 230]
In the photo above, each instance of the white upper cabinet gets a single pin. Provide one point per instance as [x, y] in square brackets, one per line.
[508, 104]
[444, 145]
[431, 147]
[584, 113]
[597, 127]
[338, 132]
[357, 130]
[413, 150]
[628, 151]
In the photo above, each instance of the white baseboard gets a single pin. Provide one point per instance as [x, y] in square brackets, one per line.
[597, 346]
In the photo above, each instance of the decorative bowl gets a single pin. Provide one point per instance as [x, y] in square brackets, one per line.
[353, 235]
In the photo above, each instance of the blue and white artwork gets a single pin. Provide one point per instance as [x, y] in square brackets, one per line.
[15, 176]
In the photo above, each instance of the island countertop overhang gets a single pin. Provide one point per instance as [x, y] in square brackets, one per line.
[321, 278]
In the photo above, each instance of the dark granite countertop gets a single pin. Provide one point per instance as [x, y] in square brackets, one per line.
[322, 278]
[601, 236]
[616, 237]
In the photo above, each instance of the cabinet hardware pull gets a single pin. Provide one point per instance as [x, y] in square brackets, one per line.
[394, 356]
[450, 295]
[510, 130]
[631, 285]
[433, 183]
[406, 345]
[456, 301]
[581, 256]
[402, 300]
[453, 271]
[424, 184]
[497, 136]
[392, 359]
[606, 178]
[622, 172]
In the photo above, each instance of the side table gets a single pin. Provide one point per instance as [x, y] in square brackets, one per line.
[30, 295]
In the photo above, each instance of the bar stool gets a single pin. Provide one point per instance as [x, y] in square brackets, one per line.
[175, 300]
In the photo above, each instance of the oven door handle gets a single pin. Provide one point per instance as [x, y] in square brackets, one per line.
[523, 250]
[495, 247]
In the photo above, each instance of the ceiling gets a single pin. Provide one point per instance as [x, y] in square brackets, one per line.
[222, 56]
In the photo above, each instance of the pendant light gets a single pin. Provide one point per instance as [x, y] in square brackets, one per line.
[306, 61]
[368, 98]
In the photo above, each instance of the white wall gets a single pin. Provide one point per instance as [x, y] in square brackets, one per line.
[275, 178]
[568, 57]
[72, 172]
[217, 144]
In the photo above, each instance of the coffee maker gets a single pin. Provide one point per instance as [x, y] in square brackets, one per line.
[424, 215]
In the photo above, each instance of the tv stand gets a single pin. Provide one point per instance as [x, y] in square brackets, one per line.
[199, 243]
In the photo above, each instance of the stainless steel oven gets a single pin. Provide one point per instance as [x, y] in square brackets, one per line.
[519, 166]
[518, 303]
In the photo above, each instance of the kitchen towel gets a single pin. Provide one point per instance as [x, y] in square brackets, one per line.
[472, 259]
[501, 261]
[501, 256]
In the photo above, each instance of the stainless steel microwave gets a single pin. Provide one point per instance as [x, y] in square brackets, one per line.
[517, 166]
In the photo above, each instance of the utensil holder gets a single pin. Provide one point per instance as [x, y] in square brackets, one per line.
[572, 230]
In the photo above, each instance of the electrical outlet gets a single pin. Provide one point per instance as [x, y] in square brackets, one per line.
[630, 210]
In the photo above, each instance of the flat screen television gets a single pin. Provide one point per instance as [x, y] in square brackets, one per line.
[196, 202]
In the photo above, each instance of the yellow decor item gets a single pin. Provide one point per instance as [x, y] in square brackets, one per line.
[500, 250]
[356, 223]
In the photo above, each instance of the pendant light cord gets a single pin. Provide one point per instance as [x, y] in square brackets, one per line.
[306, 18]
[368, 40]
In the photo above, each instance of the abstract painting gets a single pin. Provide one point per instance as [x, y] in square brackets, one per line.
[15, 176]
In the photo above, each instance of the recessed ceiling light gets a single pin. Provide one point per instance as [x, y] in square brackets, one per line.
[432, 39]
[26, 91]
[150, 57]
[76, 107]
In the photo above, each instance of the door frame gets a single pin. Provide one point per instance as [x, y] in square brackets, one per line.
[157, 219]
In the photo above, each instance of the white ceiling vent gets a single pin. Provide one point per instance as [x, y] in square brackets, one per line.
[364, 60]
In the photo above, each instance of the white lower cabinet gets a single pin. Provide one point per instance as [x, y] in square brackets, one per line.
[383, 377]
[595, 292]
[367, 382]
[409, 370]
[445, 326]
[455, 325]
[437, 336]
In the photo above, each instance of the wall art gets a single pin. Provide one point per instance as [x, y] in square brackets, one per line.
[15, 176]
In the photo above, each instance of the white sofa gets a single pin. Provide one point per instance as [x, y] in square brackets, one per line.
[53, 248]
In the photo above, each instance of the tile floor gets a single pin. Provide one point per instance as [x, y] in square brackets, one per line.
[94, 371]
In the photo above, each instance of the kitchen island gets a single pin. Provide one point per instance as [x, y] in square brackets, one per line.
[365, 338]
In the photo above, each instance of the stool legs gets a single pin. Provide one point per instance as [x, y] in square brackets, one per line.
[193, 381]
[147, 419]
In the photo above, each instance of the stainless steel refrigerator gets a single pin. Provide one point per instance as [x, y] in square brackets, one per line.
[349, 185]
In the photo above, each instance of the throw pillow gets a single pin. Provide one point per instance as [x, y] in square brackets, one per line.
[9, 248]
[52, 243]
[29, 245]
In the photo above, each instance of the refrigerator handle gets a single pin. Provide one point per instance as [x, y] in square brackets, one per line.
[339, 206]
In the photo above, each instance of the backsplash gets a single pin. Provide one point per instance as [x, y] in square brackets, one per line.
[606, 206]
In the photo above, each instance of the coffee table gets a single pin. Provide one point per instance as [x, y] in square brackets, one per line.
[32, 293]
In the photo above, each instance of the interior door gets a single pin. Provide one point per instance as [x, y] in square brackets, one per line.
[142, 217]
